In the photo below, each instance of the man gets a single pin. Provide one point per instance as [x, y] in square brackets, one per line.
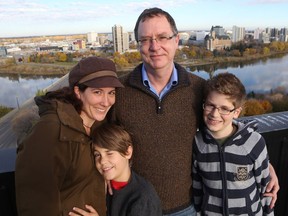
[161, 107]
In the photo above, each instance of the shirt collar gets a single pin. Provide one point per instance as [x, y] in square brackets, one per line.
[172, 82]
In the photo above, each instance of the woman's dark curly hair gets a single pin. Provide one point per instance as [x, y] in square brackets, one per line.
[67, 95]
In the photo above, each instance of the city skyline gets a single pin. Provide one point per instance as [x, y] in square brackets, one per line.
[39, 17]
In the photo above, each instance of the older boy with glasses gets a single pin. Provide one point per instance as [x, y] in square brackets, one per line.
[230, 159]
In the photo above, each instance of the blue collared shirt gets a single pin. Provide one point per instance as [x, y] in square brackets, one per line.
[172, 82]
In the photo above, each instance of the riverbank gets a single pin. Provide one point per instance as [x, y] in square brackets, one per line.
[37, 69]
[46, 69]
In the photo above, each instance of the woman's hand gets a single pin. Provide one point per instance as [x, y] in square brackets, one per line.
[80, 212]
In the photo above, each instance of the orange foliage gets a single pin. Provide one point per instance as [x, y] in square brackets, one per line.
[266, 106]
[253, 107]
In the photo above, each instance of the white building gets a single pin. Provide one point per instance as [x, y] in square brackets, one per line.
[200, 35]
[92, 38]
[264, 37]
[120, 39]
[238, 34]
[3, 51]
[257, 33]
[125, 41]
[131, 36]
[183, 37]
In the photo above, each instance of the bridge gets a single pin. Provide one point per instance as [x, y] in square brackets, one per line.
[273, 127]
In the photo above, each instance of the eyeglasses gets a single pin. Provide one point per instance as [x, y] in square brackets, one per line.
[160, 39]
[222, 110]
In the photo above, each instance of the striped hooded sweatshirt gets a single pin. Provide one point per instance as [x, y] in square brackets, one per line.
[230, 179]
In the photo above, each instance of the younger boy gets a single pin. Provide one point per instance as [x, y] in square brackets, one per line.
[132, 194]
[230, 160]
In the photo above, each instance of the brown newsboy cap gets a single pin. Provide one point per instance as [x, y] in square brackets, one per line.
[94, 72]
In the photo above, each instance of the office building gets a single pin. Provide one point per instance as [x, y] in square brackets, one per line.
[92, 37]
[120, 39]
[218, 41]
[238, 34]
[3, 51]
[219, 30]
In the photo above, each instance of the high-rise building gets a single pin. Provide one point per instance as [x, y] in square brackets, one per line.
[215, 41]
[125, 41]
[219, 30]
[131, 36]
[238, 34]
[268, 31]
[92, 37]
[283, 34]
[274, 32]
[78, 44]
[3, 51]
[120, 39]
[200, 35]
[264, 37]
[257, 33]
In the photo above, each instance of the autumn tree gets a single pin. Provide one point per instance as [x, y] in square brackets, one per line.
[253, 107]
[280, 105]
[275, 46]
[178, 54]
[46, 58]
[69, 57]
[236, 53]
[266, 106]
[265, 51]
[133, 57]
[120, 60]
[281, 46]
[9, 61]
[208, 54]
[61, 57]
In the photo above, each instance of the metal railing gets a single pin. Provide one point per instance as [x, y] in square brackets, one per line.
[273, 127]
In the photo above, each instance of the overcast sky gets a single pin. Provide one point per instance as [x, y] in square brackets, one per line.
[53, 17]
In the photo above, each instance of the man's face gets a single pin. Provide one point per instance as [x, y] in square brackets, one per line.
[157, 54]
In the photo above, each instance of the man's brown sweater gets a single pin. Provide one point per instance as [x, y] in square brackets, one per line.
[162, 132]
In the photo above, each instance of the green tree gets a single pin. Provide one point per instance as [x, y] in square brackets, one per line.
[4, 110]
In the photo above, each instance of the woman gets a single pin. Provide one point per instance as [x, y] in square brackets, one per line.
[55, 168]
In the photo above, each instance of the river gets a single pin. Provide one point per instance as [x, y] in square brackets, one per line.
[259, 76]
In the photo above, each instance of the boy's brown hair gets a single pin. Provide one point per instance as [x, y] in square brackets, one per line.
[113, 137]
[229, 85]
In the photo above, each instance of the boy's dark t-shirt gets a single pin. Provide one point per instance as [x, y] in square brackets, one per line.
[138, 197]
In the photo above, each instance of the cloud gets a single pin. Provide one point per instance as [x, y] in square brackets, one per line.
[140, 6]
[77, 10]
[268, 1]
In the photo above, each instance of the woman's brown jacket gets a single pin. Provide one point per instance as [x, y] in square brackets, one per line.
[55, 168]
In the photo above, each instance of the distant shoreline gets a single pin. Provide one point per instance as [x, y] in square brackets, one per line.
[55, 69]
